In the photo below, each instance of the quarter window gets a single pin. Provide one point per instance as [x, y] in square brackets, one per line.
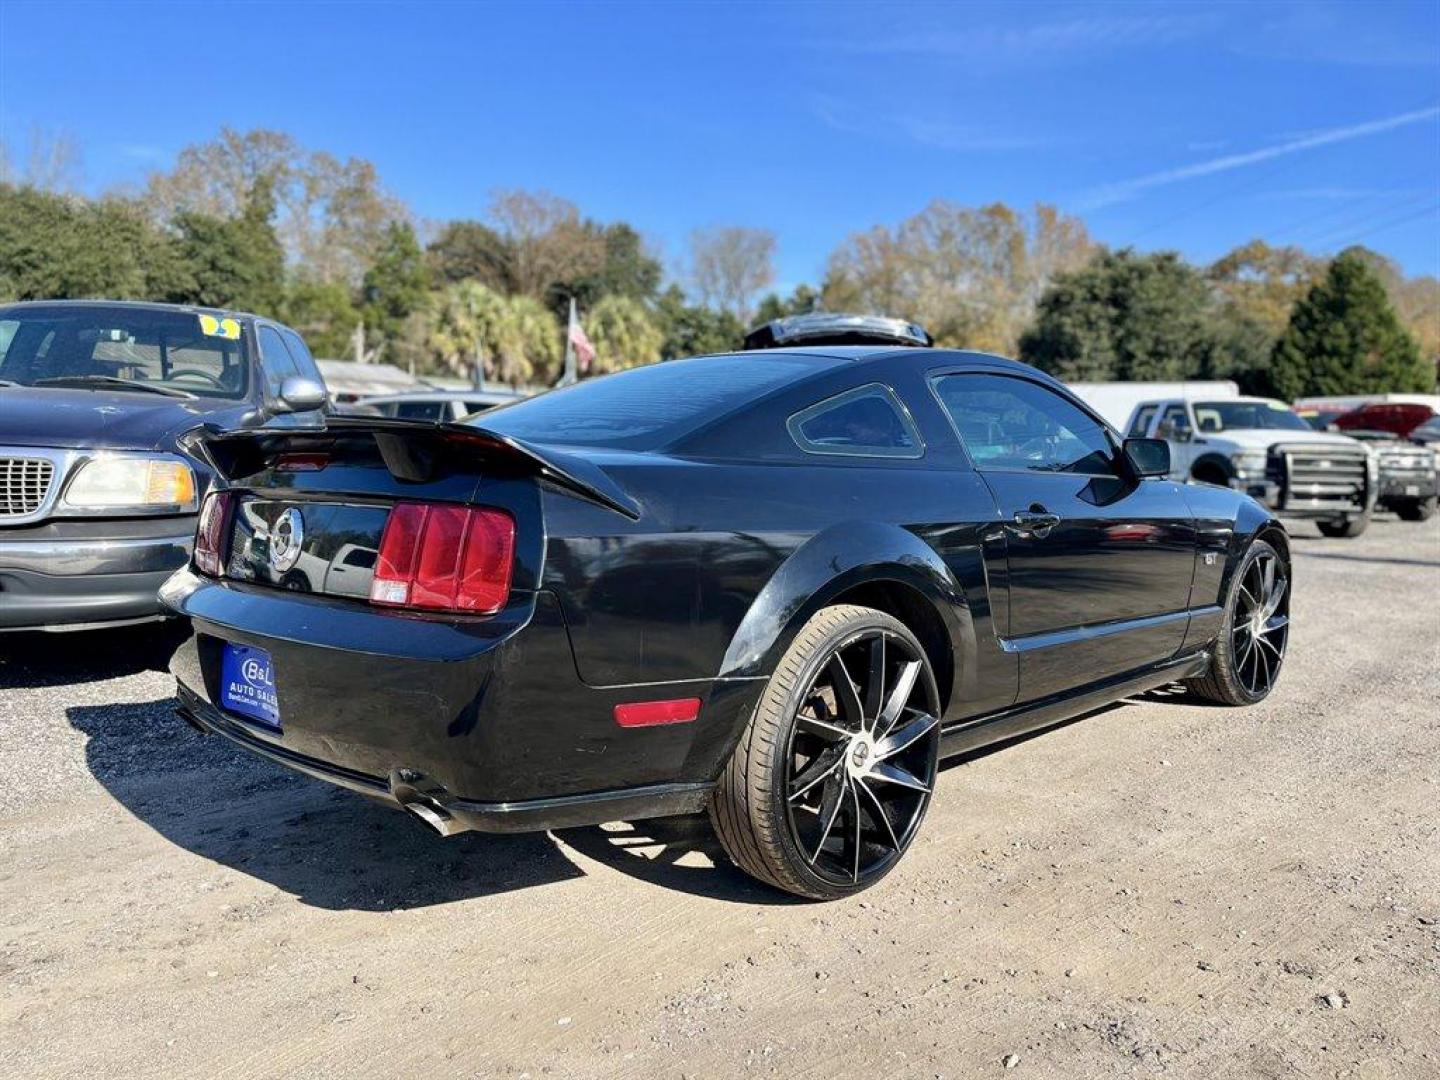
[868, 421]
[1010, 423]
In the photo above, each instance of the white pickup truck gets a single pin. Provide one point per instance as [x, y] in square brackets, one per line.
[1262, 448]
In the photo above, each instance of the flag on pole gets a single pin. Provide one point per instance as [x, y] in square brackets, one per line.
[578, 342]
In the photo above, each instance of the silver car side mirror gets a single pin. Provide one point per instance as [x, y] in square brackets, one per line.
[299, 394]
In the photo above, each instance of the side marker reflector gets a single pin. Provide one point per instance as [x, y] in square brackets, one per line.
[653, 713]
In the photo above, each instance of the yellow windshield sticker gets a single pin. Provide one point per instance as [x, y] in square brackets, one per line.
[226, 328]
[1278, 406]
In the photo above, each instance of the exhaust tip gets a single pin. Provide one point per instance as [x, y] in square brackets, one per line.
[437, 817]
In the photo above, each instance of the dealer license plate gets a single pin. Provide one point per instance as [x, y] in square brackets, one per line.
[247, 684]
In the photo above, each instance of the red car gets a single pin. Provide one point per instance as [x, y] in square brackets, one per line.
[1399, 419]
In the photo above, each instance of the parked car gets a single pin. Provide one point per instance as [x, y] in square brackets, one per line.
[440, 404]
[1259, 446]
[1428, 433]
[780, 587]
[98, 503]
[1406, 482]
[1398, 418]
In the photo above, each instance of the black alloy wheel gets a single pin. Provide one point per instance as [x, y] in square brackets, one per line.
[1250, 651]
[851, 723]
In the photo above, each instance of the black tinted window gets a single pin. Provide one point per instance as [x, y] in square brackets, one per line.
[1010, 423]
[865, 422]
[420, 410]
[198, 354]
[649, 406]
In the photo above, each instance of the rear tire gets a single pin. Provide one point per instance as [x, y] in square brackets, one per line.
[1344, 528]
[1250, 650]
[828, 786]
[1416, 509]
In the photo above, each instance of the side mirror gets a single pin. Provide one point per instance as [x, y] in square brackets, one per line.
[299, 394]
[1148, 457]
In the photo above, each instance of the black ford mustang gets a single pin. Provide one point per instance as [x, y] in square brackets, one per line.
[780, 586]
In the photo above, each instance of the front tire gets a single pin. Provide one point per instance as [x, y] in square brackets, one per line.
[833, 773]
[1344, 528]
[1250, 650]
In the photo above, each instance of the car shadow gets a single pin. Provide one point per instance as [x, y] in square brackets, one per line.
[33, 660]
[337, 850]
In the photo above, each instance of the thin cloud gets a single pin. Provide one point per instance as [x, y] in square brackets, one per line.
[1110, 194]
[926, 131]
[1037, 41]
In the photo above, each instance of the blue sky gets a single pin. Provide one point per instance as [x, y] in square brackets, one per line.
[1185, 126]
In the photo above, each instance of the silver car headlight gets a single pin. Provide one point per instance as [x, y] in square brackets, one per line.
[134, 483]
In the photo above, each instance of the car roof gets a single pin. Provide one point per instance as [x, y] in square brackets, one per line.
[138, 305]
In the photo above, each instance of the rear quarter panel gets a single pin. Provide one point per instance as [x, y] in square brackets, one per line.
[728, 560]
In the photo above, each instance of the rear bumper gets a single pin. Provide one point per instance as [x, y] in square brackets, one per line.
[84, 574]
[447, 813]
[484, 723]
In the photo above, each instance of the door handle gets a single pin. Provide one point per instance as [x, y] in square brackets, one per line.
[1038, 522]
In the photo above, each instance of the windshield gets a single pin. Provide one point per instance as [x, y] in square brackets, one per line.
[648, 407]
[178, 353]
[1246, 415]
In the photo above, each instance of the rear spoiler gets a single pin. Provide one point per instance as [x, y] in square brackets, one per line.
[410, 449]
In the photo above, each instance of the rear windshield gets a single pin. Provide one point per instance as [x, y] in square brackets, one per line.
[1246, 415]
[176, 352]
[645, 408]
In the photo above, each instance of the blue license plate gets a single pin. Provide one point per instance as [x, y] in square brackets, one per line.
[247, 684]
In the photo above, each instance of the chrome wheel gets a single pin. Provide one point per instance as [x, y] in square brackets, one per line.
[1261, 624]
[863, 750]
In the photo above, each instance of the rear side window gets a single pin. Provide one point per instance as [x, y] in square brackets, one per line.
[868, 421]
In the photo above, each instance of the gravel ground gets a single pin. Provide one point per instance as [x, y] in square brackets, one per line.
[1161, 889]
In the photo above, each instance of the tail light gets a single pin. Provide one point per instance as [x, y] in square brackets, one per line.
[445, 558]
[212, 532]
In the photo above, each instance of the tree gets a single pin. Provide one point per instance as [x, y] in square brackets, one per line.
[802, 301]
[325, 314]
[516, 337]
[396, 284]
[55, 247]
[626, 269]
[471, 251]
[1263, 282]
[623, 333]
[234, 262]
[1345, 338]
[971, 275]
[694, 330]
[546, 239]
[1125, 316]
[729, 265]
[332, 214]
[52, 163]
[1255, 287]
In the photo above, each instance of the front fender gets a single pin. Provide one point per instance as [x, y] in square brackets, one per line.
[831, 563]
